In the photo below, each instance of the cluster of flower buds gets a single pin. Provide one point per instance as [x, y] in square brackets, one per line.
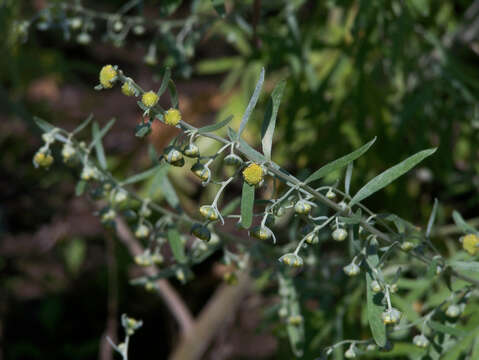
[130, 324]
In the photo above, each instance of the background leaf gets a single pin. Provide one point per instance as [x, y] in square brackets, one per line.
[177, 247]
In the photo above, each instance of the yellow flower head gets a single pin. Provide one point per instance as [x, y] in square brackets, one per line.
[149, 99]
[172, 117]
[127, 89]
[107, 76]
[470, 243]
[253, 174]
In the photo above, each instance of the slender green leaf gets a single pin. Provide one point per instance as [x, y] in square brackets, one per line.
[252, 103]
[465, 265]
[80, 187]
[462, 224]
[251, 153]
[164, 82]
[339, 163]
[102, 133]
[177, 247]
[269, 121]
[432, 218]
[42, 124]
[142, 129]
[142, 176]
[247, 203]
[434, 325]
[214, 127]
[100, 152]
[153, 154]
[347, 179]
[375, 306]
[462, 346]
[169, 192]
[391, 174]
[157, 181]
[173, 94]
[83, 124]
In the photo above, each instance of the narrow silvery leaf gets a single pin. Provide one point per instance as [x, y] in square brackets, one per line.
[164, 82]
[347, 179]
[434, 325]
[465, 265]
[251, 153]
[102, 133]
[141, 176]
[176, 245]
[173, 94]
[462, 224]
[339, 163]
[157, 181]
[44, 125]
[247, 202]
[80, 187]
[169, 192]
[252, 103]
[216, 126]
[391, 174]
[83, 124]
[100, 152]
[269, 121]
[432, 218]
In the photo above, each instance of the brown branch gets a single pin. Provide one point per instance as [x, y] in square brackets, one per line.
[106, 351]
[169, 295]
[222, 305]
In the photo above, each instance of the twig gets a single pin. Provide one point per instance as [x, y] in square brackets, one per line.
[171, 298]
[106, 351]
[222, 305]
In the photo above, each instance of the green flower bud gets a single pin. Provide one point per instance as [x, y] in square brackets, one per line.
[83, 38]
[453, 311]
[142, 231]
[407, 246]
[108, 215]
[302, 208]
[391, 316]
[120, 196]
[138, 29]
[350, 353]
[283, 312]
[291, 259]
[331, 194]
[192, 150]
[209, 212]
[174, 157]
[89, 173]
[351, 269]
[68, 151]
[75, 23]
[295, 320]
[340, 234]
[201, 171]
[233, 160]
[420, 341]
[260, 232]
[375, 286]
[201, 232]
[312, 238]
[393, 288]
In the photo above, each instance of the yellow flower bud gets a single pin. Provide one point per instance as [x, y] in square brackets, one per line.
[253, 174]
[149, 99]
[107, 76]
[470, 243]
[172, 117]
[127, 89]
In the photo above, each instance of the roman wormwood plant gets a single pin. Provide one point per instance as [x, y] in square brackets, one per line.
[387, 254]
